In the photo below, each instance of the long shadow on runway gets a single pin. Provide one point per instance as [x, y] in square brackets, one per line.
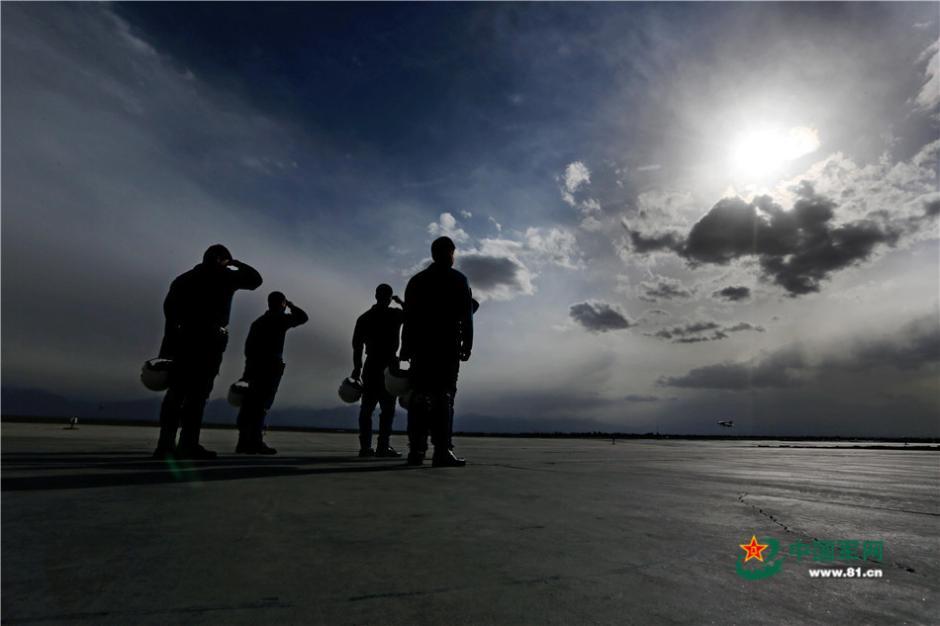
[153, 472]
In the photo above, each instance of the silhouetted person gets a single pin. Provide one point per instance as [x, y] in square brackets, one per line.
[264, 366]
[197, 312]
[377, 330]
[437, 335]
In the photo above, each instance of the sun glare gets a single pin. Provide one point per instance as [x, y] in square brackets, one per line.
[761, 153]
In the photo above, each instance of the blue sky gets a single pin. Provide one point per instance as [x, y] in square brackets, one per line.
[673, 213]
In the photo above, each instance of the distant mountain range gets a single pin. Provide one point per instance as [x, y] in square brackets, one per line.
[39, 403]
[36, 402]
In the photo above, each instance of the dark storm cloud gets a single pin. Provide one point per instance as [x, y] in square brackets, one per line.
[796, 249]
[644, 243]
[717, 335]
[932, 208]
[599, 317]
[733, 294]
[492, 272]
[692, 328]
[663, 288]
[916, 344]
[744, 326]
[701, 331]
[634, 397]
[773, 371]
[913, 346]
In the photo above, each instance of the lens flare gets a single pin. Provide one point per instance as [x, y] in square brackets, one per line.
[758, 154]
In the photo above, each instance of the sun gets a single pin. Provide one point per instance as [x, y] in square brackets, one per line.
[759, 154]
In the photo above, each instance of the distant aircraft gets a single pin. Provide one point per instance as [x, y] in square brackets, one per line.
[726, 423]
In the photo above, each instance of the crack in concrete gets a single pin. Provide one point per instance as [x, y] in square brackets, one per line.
[741, 496]
[765, 514]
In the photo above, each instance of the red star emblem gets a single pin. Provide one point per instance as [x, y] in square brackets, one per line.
[754, 549]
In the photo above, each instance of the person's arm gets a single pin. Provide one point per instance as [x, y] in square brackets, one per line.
[297, 315]
[407, 331]
[251, 343]
[466, 321]
[399, 319]
[172, 313]
[358, 342]
[245, 276]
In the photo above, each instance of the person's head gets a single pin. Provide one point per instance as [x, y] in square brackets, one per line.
[217, 255]
[277, 301]
[442, 251]
[383, 294]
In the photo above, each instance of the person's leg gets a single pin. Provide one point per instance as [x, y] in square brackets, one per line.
[450, 426]
[369, 400]
[438, 418]
[266, 394]
[442, 417]
[170, 419]
[194, 403]
[386, 418]
[417, 427]
[248, 417]
[418, 410]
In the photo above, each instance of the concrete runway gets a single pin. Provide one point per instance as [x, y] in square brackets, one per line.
[533, 531]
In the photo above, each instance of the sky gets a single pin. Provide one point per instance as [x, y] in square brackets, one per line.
[673, 214]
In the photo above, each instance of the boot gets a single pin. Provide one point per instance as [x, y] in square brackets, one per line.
[164, 452]
[166, 444]
[446, 458]
[246, 446]
[386, 451]
[194, 452]
[264, 448]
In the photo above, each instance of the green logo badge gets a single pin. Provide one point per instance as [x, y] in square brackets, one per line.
[763, 556]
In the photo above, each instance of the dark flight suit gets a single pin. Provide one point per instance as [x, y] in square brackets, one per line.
[377, 330]
[197, 310]
[264, 366]
[438, 329]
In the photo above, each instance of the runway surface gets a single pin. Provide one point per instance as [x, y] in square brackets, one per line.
[532, 531]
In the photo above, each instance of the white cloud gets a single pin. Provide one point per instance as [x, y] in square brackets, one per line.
[496, 225]
[666, 209]
[576, 174]
[929, 96]
[465, 214]
[554, 245]
[446, 226]
[591, 224]
[897, 191]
